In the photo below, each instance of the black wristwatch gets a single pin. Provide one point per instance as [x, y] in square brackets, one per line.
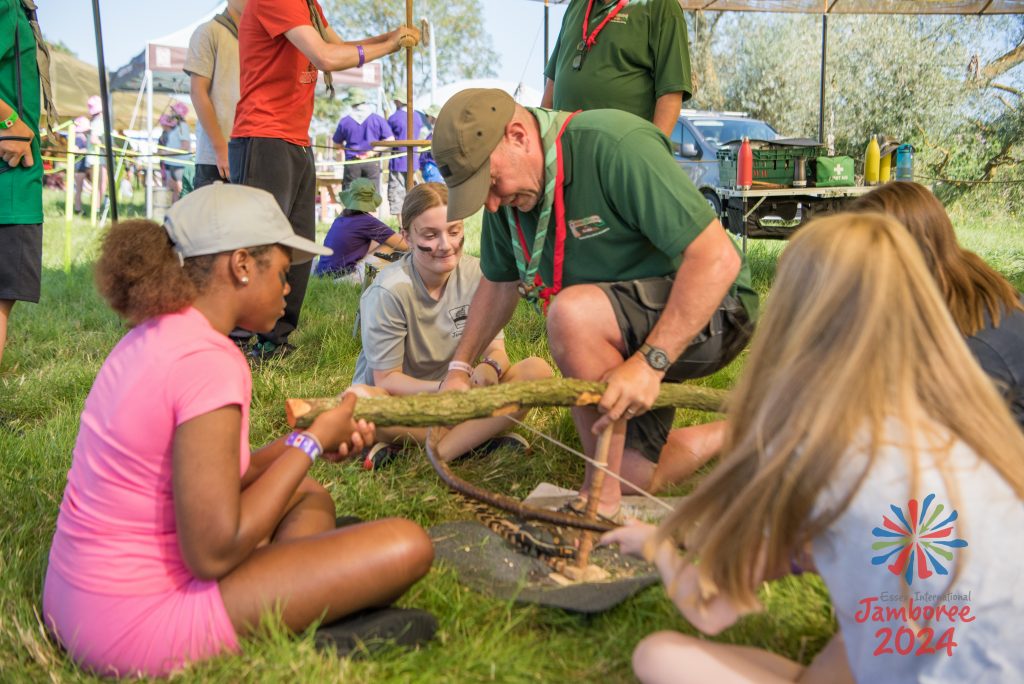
[656, 358]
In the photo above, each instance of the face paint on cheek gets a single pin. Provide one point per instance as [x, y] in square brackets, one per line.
[425, 250]
[462, 241]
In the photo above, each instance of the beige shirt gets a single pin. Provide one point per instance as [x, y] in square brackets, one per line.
[213, 54]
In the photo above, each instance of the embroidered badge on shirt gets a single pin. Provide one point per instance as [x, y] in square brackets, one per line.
[620, 18]
[588, 227]
[306, 77]
[459, 316]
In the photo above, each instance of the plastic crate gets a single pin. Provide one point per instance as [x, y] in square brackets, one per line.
[771, 164]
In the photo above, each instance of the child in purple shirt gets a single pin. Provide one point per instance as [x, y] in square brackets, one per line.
[399, 166]
[357, 132]
[357, 232]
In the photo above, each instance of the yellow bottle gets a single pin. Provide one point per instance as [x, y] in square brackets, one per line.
[885, 168]
[871, 162]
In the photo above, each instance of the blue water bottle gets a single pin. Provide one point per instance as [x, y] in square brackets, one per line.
[905, 163]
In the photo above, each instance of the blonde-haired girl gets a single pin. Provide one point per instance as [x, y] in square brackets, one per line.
[861, 423]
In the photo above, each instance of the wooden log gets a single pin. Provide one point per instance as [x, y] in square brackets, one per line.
[449, 408]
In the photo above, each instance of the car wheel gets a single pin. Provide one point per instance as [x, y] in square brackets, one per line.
[715, 203]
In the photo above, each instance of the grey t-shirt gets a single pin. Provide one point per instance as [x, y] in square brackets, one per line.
[861, 550]
[402, 325]
[213, 54]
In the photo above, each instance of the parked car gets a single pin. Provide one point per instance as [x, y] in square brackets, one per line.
[697, 137]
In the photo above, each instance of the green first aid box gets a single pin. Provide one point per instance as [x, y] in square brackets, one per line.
[833, 172]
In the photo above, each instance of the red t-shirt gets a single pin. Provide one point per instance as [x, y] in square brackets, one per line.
[277, 79]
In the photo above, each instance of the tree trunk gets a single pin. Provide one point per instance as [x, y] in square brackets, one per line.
[449, 408]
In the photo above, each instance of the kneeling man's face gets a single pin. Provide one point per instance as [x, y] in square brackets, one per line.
[514, 183]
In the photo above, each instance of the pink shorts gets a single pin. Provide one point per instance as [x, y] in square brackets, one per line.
[150, 635]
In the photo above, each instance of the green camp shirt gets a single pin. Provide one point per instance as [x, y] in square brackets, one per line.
[639, 56]
[630, 209]
[21, 188]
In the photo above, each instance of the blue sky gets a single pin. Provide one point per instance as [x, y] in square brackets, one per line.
[514, 26]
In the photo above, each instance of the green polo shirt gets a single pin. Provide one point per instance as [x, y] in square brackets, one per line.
[21, 188]
[630, 210]
[639, 56]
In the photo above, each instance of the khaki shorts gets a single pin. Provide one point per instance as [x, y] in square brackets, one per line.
[638, 305]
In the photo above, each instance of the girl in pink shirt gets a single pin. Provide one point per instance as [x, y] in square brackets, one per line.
[172, 540]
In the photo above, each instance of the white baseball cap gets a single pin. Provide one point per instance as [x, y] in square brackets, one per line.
[223, 217]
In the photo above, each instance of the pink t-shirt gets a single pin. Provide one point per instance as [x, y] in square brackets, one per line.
[116, 532]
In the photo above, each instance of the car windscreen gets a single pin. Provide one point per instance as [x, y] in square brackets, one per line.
[719, 131]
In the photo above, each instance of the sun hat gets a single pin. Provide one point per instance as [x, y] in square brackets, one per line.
[400, 99]
[468, 129]
[179, 108]
[361, 195]
[168, 120]
[94, 105]
[224, 217]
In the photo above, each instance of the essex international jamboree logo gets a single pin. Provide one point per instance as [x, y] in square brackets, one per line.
[917, 542]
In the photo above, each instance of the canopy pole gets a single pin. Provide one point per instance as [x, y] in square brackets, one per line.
[547, 19]
[105, 94]
[821, 94]
[409, 110]
[149, 138]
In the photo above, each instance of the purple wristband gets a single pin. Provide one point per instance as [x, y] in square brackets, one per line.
[362, 55]
[306, 443]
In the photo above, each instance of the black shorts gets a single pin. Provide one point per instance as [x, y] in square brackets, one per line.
[173, 172]
[21, 266]
[638, 305]
[206, 174]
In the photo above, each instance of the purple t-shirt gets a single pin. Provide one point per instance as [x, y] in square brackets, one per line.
[350, 238]
[359, 137]
[398, 123]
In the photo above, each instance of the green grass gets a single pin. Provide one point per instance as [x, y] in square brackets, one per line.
[56, 348]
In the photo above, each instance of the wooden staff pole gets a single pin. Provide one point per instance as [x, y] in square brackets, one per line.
[596, 483]
[409, 111]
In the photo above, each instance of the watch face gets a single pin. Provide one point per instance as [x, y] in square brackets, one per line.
[658, 359]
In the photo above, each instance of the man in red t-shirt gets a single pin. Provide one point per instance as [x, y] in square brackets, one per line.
[281, 46]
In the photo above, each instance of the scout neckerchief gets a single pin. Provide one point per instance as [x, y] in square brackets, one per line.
[43, 65]
[552, 127]
[227, 21]
[588, 40]
[318, 24]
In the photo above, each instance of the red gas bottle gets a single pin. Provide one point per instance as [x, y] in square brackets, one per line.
[745, 166]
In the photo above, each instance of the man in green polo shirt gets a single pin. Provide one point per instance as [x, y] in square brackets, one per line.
[591, 212]
[617, 54]
[21, 169]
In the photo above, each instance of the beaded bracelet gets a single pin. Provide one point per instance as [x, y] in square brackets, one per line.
[362, 56]
[493, 364]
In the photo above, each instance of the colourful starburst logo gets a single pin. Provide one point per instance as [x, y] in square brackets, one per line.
[916, 543]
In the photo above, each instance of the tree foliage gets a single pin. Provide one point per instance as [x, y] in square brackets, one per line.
[463, 47]
[948, 85]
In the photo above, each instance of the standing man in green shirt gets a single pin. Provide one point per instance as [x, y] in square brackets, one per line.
[21, 168]
[631, 55]
[589, 212]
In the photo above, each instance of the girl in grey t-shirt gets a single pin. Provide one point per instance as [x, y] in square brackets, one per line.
[412, 318]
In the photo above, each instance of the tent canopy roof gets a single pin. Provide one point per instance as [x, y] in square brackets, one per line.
[851, 6]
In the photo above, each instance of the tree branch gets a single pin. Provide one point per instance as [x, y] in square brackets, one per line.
[448, 408]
